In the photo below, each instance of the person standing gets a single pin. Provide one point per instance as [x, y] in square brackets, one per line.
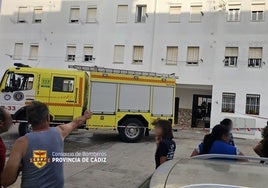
[32, 152]
[217, 142]
[164, 140]
[228, 123]
[261, 148]
[5, 124]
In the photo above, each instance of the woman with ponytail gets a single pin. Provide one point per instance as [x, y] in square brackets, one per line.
[217, 142]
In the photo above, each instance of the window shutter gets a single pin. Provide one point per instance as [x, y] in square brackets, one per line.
[22, 14]
[258, 7]
[255, 53]
[33, 52]
[75, 13]
[138, 54]
[231, 52]
[38, 13]
[193, 54]
[91, 14]
[234, 6]
[172, 55]
[174, 13]
[196, 13]
[71, 50]
[119, 53]
[88, 50]
[18, 50]
[122, 13]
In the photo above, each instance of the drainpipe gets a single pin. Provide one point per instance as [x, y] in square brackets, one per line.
[153, 36]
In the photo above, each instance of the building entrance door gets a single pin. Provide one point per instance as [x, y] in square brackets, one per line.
[201, 111]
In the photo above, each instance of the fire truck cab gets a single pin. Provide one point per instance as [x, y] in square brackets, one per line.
[63, 92]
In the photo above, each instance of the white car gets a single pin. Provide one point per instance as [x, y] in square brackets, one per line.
[211, 171]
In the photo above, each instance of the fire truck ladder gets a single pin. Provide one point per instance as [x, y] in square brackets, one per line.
[119, 71]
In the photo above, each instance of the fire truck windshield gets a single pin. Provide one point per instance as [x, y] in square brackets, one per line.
[18, 82]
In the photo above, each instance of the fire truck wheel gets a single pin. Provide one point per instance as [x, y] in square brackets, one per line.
[24, 128]
[132, 132]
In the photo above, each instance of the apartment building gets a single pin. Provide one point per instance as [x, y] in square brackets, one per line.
[218, 48]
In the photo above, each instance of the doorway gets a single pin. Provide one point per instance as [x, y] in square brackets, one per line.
[201, 111]
[176, 110]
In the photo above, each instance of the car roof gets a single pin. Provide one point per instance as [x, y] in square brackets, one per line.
[217, 173]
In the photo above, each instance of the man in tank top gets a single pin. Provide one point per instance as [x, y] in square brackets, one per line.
[32, 153]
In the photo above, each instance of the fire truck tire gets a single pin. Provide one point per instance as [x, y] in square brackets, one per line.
[24, 128]
[132, 132]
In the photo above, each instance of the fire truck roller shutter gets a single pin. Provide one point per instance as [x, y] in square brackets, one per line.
[163, 98]
[134, 98]
[103, 98]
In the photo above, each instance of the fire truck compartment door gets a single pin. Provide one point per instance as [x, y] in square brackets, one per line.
[103, 98]
[134, 98]
[163, 98]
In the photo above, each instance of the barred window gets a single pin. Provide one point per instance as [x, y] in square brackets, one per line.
[228, 102]
[253, 104]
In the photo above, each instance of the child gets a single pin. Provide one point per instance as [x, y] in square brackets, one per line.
[165, 145]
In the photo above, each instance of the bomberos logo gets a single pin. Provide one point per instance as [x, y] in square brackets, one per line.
[40, 158]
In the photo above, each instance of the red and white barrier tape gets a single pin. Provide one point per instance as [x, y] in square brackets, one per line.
[234, 129]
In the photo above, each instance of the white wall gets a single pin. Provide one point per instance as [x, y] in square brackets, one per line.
[186, 96]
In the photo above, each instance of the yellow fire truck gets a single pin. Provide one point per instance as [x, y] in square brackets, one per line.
[123, 100]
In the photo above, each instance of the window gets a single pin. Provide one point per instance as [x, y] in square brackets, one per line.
[19, 82]
[234, 13]
[193, 55]
[172, 55]
[138, 54]
[33, 52]
[253, 104]
[71, 50]
[257, 12]
[196, 13]
[119, 53]
[174, 14]
[74, 15]
[141, 14]
[62, 84]
[228, 102]
[88, 54]
[18, 51]
[231, 55]
[255, 57]
[122, 14]
[22, 14]
[91, 14]
[37, 17]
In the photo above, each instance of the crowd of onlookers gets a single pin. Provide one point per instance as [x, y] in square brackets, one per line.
[50, 139]
[219, 141]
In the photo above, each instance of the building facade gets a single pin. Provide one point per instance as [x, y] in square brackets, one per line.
[218, 48]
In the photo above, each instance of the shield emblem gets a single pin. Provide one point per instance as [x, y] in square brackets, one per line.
[40, 158]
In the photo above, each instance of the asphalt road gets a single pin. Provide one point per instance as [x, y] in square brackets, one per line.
[126, 165]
